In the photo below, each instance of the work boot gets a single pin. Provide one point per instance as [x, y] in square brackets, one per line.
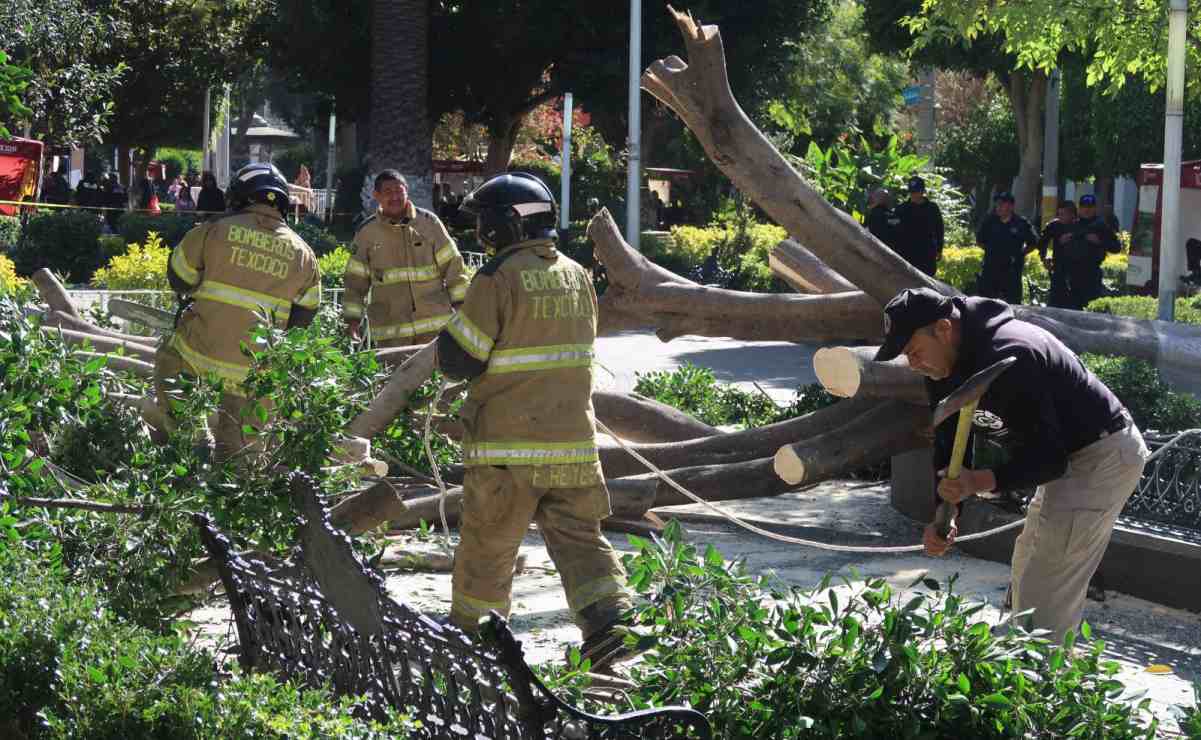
[607, 647]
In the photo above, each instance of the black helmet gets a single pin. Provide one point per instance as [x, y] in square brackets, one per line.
[259, 182]
[511, 208]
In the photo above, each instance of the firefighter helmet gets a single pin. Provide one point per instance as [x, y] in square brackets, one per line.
[259, 182]
[512, 208]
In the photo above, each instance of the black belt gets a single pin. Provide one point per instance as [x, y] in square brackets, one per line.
[1116, 424]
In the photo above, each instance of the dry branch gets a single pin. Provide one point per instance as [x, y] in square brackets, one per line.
[638, 419]
[53, 292]
[851, 372]
[890, 428]
[641, 296]
[394, 397]
[801, 269]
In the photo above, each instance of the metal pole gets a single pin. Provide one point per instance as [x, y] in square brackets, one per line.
[634, 172]
[1169, 235]
[208, 129]
[565, 167]
[1051, 149]
[331, 162]
[223, 148]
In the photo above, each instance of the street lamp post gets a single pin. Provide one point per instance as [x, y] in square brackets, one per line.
[634, 163]
[1169, 235]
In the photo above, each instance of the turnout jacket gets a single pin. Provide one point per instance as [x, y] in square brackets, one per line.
[525, 336]
[236, 267]
[412, 270]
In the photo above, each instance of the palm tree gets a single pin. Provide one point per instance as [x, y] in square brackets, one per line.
[400, 126]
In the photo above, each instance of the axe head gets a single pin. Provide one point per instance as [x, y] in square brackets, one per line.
[971, 390]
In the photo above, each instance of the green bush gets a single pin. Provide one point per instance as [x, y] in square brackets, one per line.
[764, 660]
[134, 227]
[333, 267]
[70, 668]
[320, 239]
[179, 161]
[1152, 403]
[695, 391]
[10, 233]
[960, 268]
[1188, 310]
[740, 247]
[65, 241]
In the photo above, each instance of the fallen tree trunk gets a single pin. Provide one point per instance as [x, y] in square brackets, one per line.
[140, 368]
[394, 397]
[724, 449]
[640, 296]
[64, 321]
[103, 343]
[851, 372]
[636, 418]
[741, 480]
[801, 269]
[53, 293]
[890, 428]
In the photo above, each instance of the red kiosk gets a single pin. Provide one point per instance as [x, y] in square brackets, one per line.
[20, 167]
[1142, 271]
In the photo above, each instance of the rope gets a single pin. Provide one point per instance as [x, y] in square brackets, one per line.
[784, 538]
[429, 454]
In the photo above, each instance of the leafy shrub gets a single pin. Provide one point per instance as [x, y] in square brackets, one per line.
[10, 232]
[179, 161]
[695, 391]
[1188, 310]
[1152, 403]
[9, 281]
[960, 267]
[70, 668]
[333, 267]
[65, 241]
[765, 660]
[135, 227]
[322, 240]
[738, 248]
[141, 267]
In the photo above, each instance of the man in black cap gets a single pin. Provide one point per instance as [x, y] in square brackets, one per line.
[1074, 440]
[1068, 251]
[881, 218]
[1006, 238]
[919, 230]
[1101, 240]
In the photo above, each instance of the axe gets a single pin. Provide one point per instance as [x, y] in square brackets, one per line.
[963, 400]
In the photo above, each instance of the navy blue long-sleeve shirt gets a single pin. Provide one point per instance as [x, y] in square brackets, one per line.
[1050, 402]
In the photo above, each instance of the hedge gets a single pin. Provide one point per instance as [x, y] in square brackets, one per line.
[743, 253]
[10, 232]
[9, 281]
[66, 241]
[141, 267]
[134, 227]
[960, 267]
[1188, 310]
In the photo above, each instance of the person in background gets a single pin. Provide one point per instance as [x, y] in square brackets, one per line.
[882, 220]
[1068, 248]
[89, 193]
[183, 198]
[1101, 240]
[1006, 238]
[57, 190]
[1192, 255]
[173, 189]
[116, 197]
[920, 231]
[211, 199]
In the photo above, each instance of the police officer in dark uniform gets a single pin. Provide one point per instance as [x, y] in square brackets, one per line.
[920, 232]
[1006, 238]
[1102, 240]
[1076, 441]
[882, 219]
[1063, 234]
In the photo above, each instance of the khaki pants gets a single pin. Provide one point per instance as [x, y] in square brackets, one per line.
[498, 506]
[228, 438]
[1068, 526]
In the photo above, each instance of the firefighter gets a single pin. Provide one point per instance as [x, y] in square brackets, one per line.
[406, 272]
[524, 338]
[232, 269]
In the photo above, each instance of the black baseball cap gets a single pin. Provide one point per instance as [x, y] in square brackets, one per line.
[1088, 200]
[917, 185]
[1004, 195]
[909, 311]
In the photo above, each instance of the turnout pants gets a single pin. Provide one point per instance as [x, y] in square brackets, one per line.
[416, 341]
[1068, 526]
[498, 506]
[227, 438]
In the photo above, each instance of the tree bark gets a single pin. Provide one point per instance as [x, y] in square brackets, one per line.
[132, 365]
[102, 343]
[638, 419]
[641, 296]
[394, 397]
[741, 480]
[731, 448]
[53, 293]
[801, 269]
[886, 430]
[63, 321]
[852, 372]
[1027, 90]
[699, 92]
[502, 136]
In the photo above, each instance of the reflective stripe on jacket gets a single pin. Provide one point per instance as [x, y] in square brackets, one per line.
[240, 267]
[404, 275]
[532, 319]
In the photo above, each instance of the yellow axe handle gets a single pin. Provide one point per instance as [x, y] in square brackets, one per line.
[963, 430]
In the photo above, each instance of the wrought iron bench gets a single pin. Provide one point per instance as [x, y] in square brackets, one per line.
[328, 621]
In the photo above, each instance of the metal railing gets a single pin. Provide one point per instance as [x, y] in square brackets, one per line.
[1170, 489]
